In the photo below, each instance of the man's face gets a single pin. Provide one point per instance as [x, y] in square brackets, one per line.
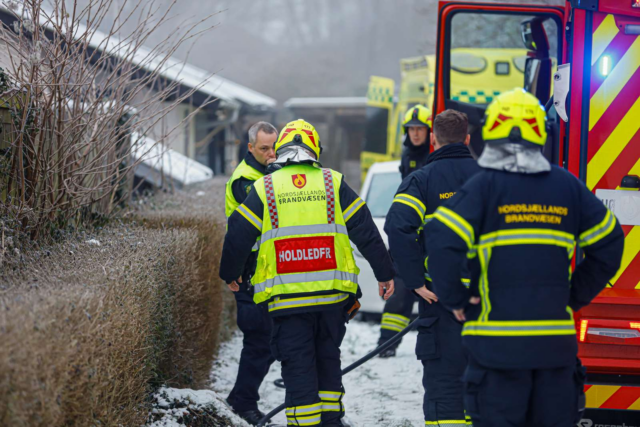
[418, 135]
[262, 150]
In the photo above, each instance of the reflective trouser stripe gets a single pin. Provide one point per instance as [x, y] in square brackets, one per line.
[304, 410]
[331, 395]
[519, 328]
[465, 282]
[318, 276]
[306, 415]
[306, 301]
[394, 322]
[303, 230]
[304, 421]
[447, 423]
[332, 407]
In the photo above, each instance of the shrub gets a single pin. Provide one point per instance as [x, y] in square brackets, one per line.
[90, 327]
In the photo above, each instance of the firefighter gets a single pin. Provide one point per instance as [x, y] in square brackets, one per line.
[306, 275]
[439, 346]
[416, 127]
[253, 320]
[519, 221]
[397, 310]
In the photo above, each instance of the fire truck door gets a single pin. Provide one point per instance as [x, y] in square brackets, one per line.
[521, 46]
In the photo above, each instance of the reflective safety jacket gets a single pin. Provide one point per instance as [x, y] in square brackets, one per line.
[240, 183]
[418, 197]
[305, 217]
[520, 232]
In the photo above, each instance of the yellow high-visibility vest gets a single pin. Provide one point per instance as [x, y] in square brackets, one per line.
[242, 171]
[304, 246]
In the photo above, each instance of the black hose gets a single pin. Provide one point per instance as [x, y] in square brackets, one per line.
[354, 365]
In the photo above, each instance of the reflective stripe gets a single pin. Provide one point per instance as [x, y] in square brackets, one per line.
[250, 216]
[332, 407]
[457, 224]
[394, 322]
[466, 282]
[412, 202]
[428, 219]
[484, 257]
[306, 301]
[352, 209]
[527, 236]
[331, 197]
[316, 276]
[599, 232]
[519, 328]
[331, 395]
[304, 410]
[256, 246]
[304, 230]
[271, 200]
[447, 423]
[304, 421]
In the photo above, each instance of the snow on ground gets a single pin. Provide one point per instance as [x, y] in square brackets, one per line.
[177, 407]
[382, 392]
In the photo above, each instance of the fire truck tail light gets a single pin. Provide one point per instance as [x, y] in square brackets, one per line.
[634, 325]
[583, 329]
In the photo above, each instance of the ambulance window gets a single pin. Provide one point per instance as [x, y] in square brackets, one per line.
[519, 50]
[375, 138]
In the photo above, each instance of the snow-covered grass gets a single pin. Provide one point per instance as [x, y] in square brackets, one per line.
[179, 407]
[382, 392]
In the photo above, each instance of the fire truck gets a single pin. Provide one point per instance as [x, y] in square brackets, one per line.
[593, 104]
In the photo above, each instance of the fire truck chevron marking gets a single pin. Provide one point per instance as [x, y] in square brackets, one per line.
[612, 397]
[631, 249]
[616, 81]
[613, 146]
[603, 36]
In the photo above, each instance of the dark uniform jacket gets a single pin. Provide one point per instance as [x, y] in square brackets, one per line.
[413, 158]
[519, 231]
[418, 197]
[362, 232]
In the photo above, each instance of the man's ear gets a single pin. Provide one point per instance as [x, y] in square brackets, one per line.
[432, 139]
[250, 147]
[468, 140]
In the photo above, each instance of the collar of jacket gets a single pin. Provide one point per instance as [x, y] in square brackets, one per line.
[251, 161]
[450, 151]
[513, 157]
[416, 148]
[292, 156]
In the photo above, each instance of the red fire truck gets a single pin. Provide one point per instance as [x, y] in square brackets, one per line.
[584, 64]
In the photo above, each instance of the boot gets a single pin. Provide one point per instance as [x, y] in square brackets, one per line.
[252, 416]
[390, 352]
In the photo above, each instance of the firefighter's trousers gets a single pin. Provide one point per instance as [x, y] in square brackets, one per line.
[256, 325]
[439, 347]
[308, 345]
[397, 312]
[527, 398]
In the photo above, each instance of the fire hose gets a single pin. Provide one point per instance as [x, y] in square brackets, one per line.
[263, 422]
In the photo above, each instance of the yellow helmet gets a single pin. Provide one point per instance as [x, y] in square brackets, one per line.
[299, 132]
[515, 116]
[418, 115]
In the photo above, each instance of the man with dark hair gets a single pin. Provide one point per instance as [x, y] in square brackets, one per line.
[253, 320]
[439, 345]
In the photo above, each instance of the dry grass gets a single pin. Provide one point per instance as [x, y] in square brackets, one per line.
[88, 331]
